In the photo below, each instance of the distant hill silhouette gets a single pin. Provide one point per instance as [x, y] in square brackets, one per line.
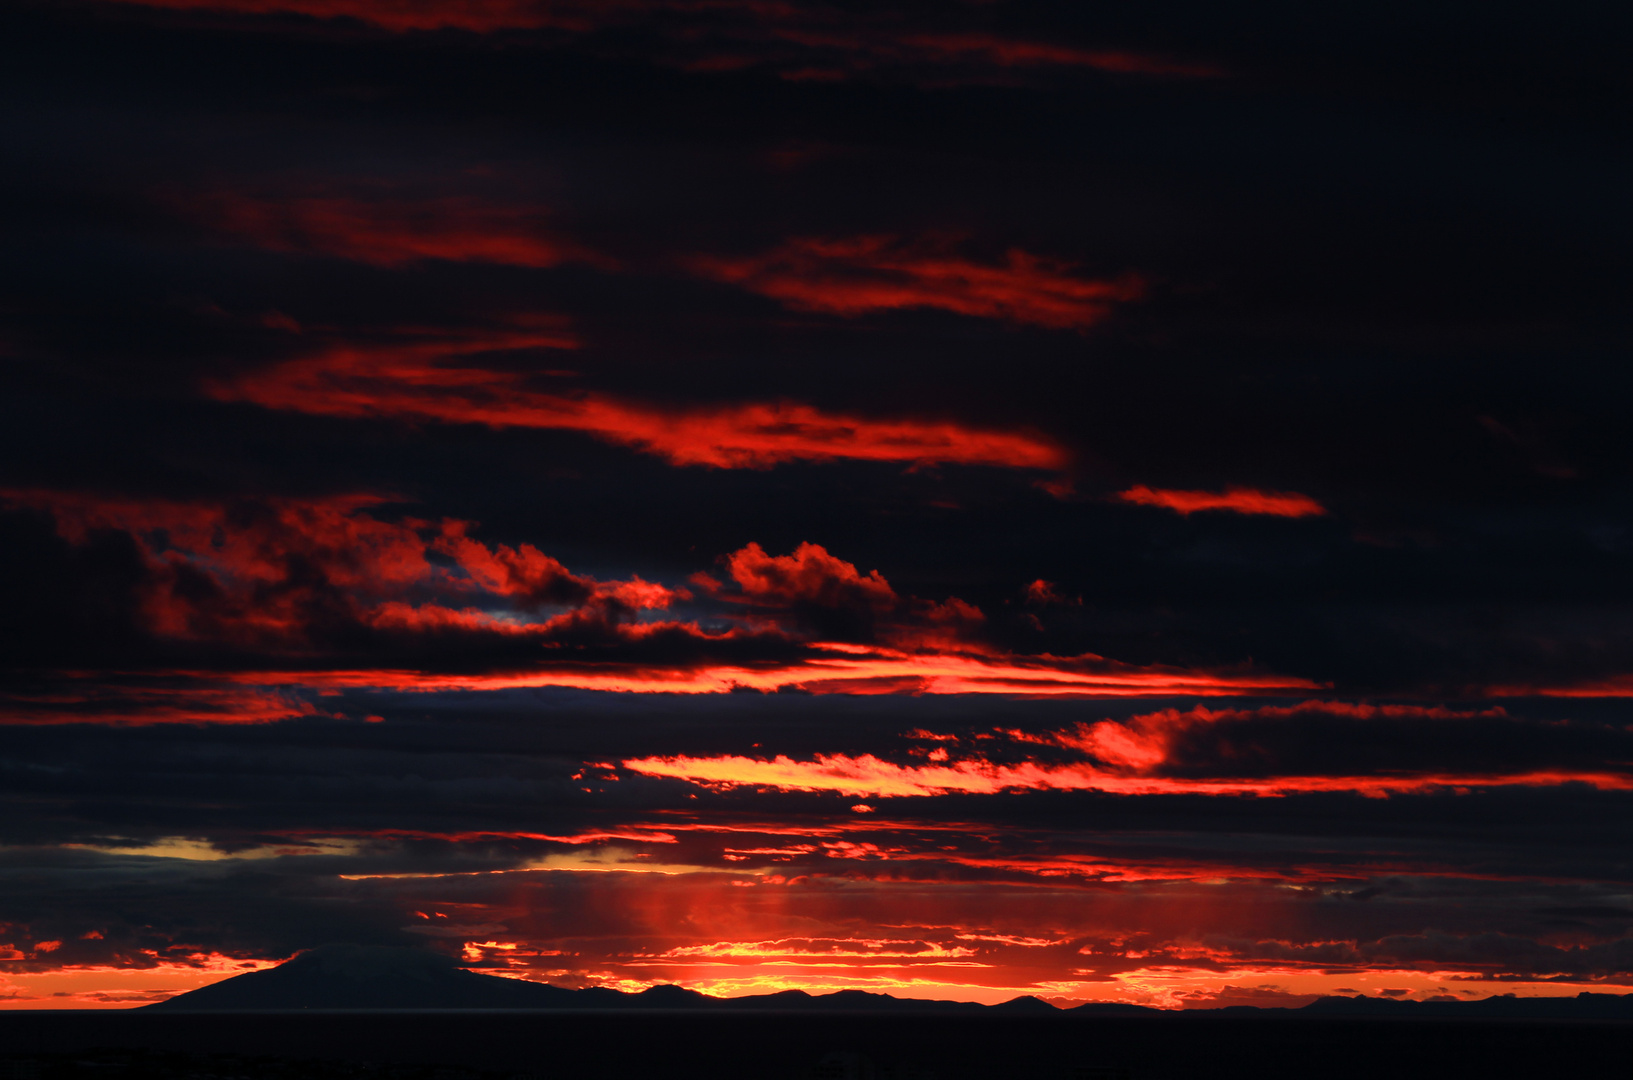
[1583, 1006]
[369, 977]
[384, 977]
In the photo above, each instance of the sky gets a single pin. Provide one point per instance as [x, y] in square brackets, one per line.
[957, 500]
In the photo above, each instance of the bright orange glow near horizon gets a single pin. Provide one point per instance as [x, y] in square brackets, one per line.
[108, 987]
[904, 968]
[822, 915]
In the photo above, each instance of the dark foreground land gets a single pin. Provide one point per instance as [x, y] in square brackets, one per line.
[719, 1046]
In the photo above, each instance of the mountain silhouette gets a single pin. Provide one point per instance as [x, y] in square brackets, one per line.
[386, 977]
[1026, 1006]
[1583, 1006]
[369, 977]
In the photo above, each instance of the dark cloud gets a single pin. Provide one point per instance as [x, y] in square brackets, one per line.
[485, 819]
[400, 398]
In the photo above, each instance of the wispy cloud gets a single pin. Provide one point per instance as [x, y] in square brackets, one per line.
[858, 275]
[1236, 500]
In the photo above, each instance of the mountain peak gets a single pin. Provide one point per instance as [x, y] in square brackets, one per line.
[367, 977]
[362, 963]
[1026, 1004]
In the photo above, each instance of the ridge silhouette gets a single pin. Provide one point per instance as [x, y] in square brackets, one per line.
[381, 977]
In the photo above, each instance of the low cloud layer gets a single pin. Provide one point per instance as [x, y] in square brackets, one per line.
[960, 501]
[740, 888]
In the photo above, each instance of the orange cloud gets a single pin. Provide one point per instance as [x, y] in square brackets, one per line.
[864, 274]
[386, 231]
[822, 668]
[867, 775]
[827, 948]
[1149, 754]
[598, 836]
[136, 980]
[1141, 743]
[924, 850]
[440, 377]
[972, 911]
[1171, 944]
[1237, 500]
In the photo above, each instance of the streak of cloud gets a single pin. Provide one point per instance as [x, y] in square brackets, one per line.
[859, 275]
[798, 41]
[1236, 500]
[386, 231]
[443, 378]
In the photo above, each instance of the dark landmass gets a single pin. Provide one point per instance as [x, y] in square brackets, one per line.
[1507, 1006]
[142, 1064]
[376, 977]
[708, 1044]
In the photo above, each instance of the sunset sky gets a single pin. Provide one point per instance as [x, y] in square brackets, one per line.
[959, 500]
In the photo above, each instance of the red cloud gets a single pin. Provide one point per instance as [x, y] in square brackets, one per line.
[105, 702]
[1009, 52]
[440, 377]
[1612, 686]
[805, 41]
[388, 231]
[527, 574]
[809, 575]
[321, 593]
[1144, 755]
[816, 667]
[1045, 593]
[833, 601]
[284, 575]
[599, 836]
[1237, 500]
[959, 913]
[1166, 942]
[481, 16]
[251, 572]
[525, 571]
[1143, 744]
[878, 273]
